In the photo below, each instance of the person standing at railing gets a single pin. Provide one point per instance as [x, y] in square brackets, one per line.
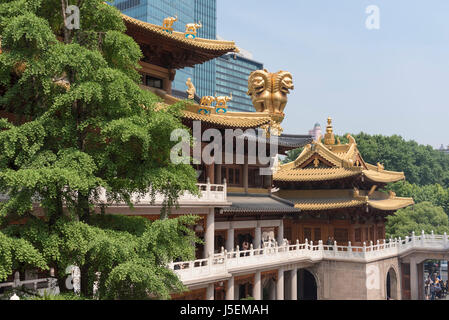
[427, 286]
[330, 243]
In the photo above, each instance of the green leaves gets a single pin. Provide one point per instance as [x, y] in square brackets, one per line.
[422, 216]
[78, 121]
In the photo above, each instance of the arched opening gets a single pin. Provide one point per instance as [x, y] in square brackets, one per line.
[307, 286]
[392, 285]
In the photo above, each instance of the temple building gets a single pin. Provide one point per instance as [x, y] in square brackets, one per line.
[338, 193]
[266, 226]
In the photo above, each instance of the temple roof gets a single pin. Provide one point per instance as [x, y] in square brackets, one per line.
[320, 200]
[259, 204]
[174, 50]
[329, 161]
[228, 120]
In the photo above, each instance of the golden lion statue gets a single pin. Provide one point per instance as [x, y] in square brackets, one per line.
[269, 91]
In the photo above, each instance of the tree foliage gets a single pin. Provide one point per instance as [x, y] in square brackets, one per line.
[422, 216]
[78, 123]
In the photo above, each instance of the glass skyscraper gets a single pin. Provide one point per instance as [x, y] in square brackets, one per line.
[188, 11]
[232, 72]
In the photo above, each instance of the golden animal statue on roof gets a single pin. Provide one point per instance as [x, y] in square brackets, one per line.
[269, 91]
[192, 29]
[207, 101]
[167, 24]
[222, 103]
[191, 90]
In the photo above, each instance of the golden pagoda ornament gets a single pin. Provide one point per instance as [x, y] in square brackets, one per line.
[329, 137]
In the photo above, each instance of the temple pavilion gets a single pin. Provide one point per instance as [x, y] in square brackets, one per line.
[337, 192]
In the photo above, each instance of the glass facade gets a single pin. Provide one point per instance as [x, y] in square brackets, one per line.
[188, 11]
[232, 72]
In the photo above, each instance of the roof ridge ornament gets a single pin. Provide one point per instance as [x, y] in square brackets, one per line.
[329, 137]
[167, 24]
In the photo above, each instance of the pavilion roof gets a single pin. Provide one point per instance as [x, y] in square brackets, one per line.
[174, 50]
[320, 200]
[326, 161]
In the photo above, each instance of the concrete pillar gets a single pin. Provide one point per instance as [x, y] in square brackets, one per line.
[209, 237]
[230, 289]
[230, 239]
[257, 237]
[280, 236]
[257, 290]
[210, 292]
[280, 285]
[414, 280]
[294, 284]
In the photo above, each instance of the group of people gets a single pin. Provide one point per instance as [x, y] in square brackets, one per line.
[435, 288]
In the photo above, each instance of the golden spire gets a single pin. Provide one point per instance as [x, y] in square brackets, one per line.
[329, 138]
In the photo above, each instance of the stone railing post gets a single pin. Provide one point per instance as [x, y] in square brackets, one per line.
[251, 248]
[400, 242]
[16, 281]
[349, 248]
[335, 247]
[364, 247]
[208, 189]
[423, 236]
[306, 244]
[432, 235]
[445, 239]
[237, 253]
[320, 245]
[297, 245]
[413, 238]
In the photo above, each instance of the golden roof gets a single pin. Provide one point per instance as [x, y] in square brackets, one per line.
[200, 43]
[326, 161]
[229, 119]
[318, 200]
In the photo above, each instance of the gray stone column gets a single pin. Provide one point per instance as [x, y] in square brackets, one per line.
[245, 175]
[280, 236]
[280, 285]
[210, 294]
[209, 237]
[414, 280]
[230, 289]
[257, 237]
[294, 284]
[230, 239]
[257, 290]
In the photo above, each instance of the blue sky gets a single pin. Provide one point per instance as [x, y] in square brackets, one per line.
[394, 80]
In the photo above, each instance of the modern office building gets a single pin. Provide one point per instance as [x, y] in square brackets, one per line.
[232, 72]
[188, 11]
[443, 149]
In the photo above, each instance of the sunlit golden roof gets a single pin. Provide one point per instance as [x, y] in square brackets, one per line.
[318, 200]
[208, 44]
[326, 161]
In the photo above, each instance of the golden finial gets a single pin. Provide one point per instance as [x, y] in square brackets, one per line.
[329, 137]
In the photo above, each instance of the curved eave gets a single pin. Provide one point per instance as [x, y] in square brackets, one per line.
[384, 176]
[318, 174]
[199, 43]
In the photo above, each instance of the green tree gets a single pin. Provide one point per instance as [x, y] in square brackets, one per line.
[81, 123]
[422, 216]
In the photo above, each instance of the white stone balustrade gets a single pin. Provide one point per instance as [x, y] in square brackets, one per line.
[223, 264]
[210, 193]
